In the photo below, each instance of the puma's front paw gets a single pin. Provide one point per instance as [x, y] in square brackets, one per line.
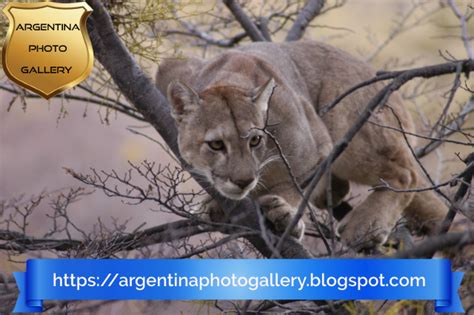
[363, 229]
[280, 214]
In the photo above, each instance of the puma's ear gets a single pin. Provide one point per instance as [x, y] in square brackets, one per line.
[182, 98]
[262, 95]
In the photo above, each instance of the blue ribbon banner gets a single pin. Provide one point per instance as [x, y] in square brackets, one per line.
[238, 279]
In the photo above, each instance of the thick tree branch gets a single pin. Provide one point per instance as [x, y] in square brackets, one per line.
[440, 242]
[310, 10]
[109, 246]
[244, 21]
[130, 79]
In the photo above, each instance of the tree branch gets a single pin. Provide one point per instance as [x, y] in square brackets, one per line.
[467, 65]
[159, 234]
[464, 28]
[453, 127]
[168, 232]
[244, 21]
[112, 104]
[130, 79]
[310, 10]
[430, 246]
[467, 176]
[207, 38]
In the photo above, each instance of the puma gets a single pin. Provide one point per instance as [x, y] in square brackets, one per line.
[227, 107]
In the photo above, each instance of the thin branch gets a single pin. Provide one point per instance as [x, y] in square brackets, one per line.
[452, 93]
[467, 176]
[162, 146]
[401, 27]
[453, 181]
[451, 128]
[206, 37]
[464, 31]
[219, 243]
[433, 139]
[129, 111]
[467, 66]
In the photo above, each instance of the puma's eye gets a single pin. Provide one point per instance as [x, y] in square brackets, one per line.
[255, 140]
[216, 145]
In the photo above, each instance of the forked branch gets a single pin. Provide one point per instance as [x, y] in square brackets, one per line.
[310, 10]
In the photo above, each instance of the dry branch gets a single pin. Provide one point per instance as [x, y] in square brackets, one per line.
[19, 242]
[193, 30]
[467, 176]
[466, 66]
[463, 18]
[244, 21]
[451, 128]
[430, 246]
[310, 10]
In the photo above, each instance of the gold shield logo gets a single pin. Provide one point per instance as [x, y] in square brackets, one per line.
[47, 49]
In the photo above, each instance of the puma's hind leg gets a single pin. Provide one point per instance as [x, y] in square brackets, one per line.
[425, 215]
[425, 212]
[369, 224]
[339, 189]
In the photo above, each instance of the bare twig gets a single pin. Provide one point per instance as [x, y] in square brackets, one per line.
[467, 66]
[162, 146]
[448, 130]
[402, 26]
[453, 181]
[194, 31]
[219, 243]
[437, 140]
[122, 108]
[467, 176]
[464, 28]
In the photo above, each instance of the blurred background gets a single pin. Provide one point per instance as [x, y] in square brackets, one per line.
[39, 138]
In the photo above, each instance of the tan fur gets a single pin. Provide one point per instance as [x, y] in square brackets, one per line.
[220, 99]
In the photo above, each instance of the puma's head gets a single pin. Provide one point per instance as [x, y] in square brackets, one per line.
[220, 133]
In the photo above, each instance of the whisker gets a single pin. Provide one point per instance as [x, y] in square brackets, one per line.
[272, 158]
[262, 185]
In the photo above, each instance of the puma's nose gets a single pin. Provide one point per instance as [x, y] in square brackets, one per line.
[243, 183]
